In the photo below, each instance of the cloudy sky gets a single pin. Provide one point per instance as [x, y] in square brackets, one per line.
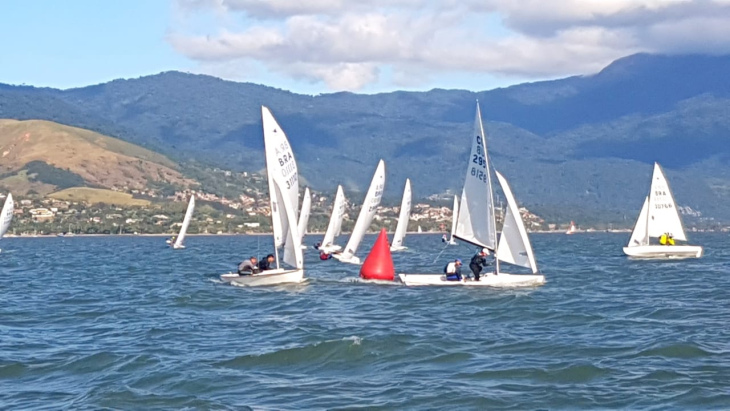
[317, 46]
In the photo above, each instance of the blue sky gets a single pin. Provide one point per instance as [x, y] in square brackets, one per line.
[319, 46]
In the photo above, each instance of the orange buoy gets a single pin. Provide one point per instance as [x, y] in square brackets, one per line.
[379, 263]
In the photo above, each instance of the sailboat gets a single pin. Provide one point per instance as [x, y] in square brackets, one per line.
[304, 216]
[334, 228]
[476, 225]
[367, 212]
[658, 216]
[6, 215]
[178, 244]
[419, 229]
[454, 218]
[403, 217]
[283, 181]
[572, 229]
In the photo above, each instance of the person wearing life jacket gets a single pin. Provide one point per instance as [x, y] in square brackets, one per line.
[670, 239]
[453, 270]
[324, 256]
[478, 262]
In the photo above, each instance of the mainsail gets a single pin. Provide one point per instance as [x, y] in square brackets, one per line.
[338, 212]
[663, 213]
[186, 222]
[476, 222]
[367, 212]
[6, 215]
[403, 216]
[304, 214]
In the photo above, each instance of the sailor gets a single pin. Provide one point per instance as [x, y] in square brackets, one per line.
[317, 245]
[670, 239]
[478, 262]
[266, 263]
[324, 256]
[248, 267]
[664, 239]
[444, 238]
[453, 270]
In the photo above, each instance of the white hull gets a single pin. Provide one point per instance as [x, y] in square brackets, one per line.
[177, 247]
[487, 280]
[168, 242]
[401, 248]
[452, 242]
[303, 247]
[330, 249]
[664, 251]
[269, 277]
[352, 260]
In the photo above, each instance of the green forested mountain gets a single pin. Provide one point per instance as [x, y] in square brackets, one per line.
[578, 148]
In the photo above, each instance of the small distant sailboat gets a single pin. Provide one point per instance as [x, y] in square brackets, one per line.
[178, 244]
[403, 217]
[572, 229]
[659, 217]
[367, 212]
[419, 230]
[454, 218]
[334, 228]
[304, 216]
[6, 215]
[476, 224]
[283, 181]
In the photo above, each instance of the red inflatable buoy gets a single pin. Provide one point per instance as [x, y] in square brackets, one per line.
[379, 263]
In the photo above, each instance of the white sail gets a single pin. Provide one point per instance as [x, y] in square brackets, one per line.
[403, 217]
[280, 163]
[640, 235]
[338, 212]
[304, 214]
[663, 213]
[6, 215]
[514, 245]
[367, 212]
[454, 218]
[186, 222]
[476, 222]
[283, 179]
[420, 230]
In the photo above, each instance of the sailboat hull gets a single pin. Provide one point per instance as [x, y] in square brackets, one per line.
[330, 249]
[350, 260]
[401, 248]
[177, 247]
[664, 251]
[269, 277]
[486, 280]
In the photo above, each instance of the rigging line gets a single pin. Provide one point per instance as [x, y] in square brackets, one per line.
[439, 254]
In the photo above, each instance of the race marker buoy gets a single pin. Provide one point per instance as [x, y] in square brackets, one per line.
[379, 263]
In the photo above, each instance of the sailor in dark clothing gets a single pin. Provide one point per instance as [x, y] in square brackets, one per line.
[266, 263]
[248, 267]
[478, 262]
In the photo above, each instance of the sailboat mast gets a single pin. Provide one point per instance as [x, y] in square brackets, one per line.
[491, 192]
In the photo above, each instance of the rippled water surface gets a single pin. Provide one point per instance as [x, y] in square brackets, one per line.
[126, 323]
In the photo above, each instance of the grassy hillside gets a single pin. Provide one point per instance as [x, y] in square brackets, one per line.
[97, 195]
[41, 156]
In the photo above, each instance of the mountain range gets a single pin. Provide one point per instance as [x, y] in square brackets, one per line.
[578, 148]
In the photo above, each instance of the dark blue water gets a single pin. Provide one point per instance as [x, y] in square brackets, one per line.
[125, 323]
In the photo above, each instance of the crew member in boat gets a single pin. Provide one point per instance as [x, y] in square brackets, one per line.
[444, 238]
[453, 270]
[666, 239]
[478, 262]
[324, 256]
[248, 267]
[317, 245]
[267, 263]
[172, 239]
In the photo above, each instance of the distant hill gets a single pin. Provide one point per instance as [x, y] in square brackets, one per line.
[43, 156]
[579, 148]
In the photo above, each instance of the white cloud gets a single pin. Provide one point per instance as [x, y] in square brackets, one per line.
[345, 44]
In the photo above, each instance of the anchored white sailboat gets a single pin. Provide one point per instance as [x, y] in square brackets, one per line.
[659, 217]
[304, 216]
[6, 215]
[283, 179]
[178, 244]
[334, 228]
[454, 218]
[403, 217]
[572, 229]
[367, 212]
[476, 224]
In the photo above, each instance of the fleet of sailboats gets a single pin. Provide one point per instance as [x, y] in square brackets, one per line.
[476, 224]
[403, 216]
[659, 217]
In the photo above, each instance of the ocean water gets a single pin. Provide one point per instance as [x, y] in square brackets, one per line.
[126, 323]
